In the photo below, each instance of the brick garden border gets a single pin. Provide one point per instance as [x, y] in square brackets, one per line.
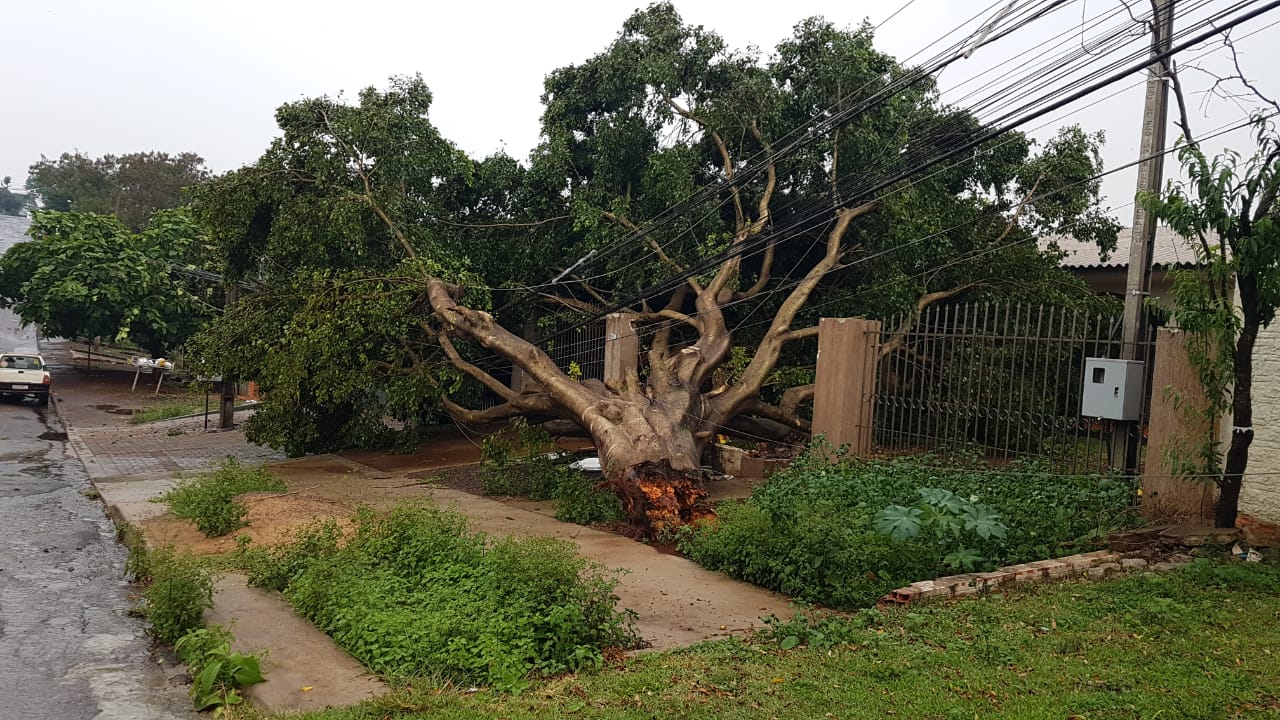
[1094, 565]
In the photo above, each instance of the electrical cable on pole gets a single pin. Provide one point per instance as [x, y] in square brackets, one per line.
[1142, 236]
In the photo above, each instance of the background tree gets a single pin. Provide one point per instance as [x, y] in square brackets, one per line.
[11, 203]
[132, 187]
[86, 276]
[361, 196]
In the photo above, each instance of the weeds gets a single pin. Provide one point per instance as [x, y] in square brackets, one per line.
[845, 534]
[178, 591]
[217, 674]
[414, 592]
[165, 411]
[527, 463]
[209, 499]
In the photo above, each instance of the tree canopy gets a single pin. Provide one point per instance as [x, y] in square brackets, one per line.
[661, 186]
[84, 275]
[132, 186]
[11, 203]
[338, 222]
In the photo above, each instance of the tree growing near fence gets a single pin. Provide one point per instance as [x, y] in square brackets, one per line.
[356, 198]
[1228, 207]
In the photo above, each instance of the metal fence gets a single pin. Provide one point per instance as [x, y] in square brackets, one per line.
[568, 346]
[1002, 381]
[581, 346]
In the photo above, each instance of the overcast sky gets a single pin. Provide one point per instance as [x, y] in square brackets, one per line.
[126, 75]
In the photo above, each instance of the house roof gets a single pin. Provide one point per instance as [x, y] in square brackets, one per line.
[1172, 250]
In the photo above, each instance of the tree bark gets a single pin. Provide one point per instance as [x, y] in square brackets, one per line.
[1237, 459]
[650, 436]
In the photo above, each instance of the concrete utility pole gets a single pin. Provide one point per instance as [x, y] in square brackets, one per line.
[1142, 240]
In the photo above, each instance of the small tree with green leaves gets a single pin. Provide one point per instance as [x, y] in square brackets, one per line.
[1227, 206]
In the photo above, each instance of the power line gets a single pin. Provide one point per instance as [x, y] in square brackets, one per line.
[1007, 122]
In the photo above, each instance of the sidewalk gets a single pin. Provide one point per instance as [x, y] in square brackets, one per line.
[161, 448]
[678, 602]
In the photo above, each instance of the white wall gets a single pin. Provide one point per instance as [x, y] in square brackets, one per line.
[1260, 495]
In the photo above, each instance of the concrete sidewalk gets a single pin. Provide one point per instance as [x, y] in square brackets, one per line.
[677, 602]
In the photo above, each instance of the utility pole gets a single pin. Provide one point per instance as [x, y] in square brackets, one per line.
[227, 406]
[1142, 239]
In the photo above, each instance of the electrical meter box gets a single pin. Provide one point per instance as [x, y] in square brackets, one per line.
[1112, 389]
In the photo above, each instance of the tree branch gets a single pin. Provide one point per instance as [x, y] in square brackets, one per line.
[359, 162]
[653, 245]
[485, 226]
[528, 405]
[725, 157]
[766, 356]
[793, 397]
[571, 303]
[765, 410]
[481, 328]
[485, 378]
[899, 339]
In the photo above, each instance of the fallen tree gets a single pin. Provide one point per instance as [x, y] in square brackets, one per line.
[360, 198]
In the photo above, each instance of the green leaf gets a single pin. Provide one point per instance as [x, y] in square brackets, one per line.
[898, 522]
[248, 670]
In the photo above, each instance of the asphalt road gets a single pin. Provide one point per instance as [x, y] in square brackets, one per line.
[68, 648]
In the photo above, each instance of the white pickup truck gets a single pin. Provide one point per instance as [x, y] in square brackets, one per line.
[23, 375]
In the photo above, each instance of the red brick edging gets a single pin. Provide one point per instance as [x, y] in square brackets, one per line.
[1097, 564]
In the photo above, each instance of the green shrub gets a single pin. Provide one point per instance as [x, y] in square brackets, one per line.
[208, 500]
[415, 592]
[136, 565]
[179, 591]
[520, 463]
[274, 566]
[527, 463]
[217, 674]
[812, 531]
[823, 555]
[580, 499]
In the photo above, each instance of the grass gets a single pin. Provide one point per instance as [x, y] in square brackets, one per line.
[163, 411]
[1202, 642]
[208, 500]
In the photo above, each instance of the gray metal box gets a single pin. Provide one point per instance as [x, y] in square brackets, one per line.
[1112, 389]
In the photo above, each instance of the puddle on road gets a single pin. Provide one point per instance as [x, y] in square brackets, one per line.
[52, 435]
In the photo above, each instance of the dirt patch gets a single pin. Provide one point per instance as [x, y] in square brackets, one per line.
[316, 464]
[272, 520]
[463, 477]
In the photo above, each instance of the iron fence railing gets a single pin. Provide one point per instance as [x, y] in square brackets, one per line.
[1001, 380]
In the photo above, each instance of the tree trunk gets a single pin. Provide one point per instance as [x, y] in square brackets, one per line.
[1237, 460]
[651, 458]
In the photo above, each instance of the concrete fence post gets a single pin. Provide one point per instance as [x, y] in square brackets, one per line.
[844, 393]
[520, 381]
[1177, 428]
[621, 348]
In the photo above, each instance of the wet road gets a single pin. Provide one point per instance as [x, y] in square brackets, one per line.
[68, 649]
